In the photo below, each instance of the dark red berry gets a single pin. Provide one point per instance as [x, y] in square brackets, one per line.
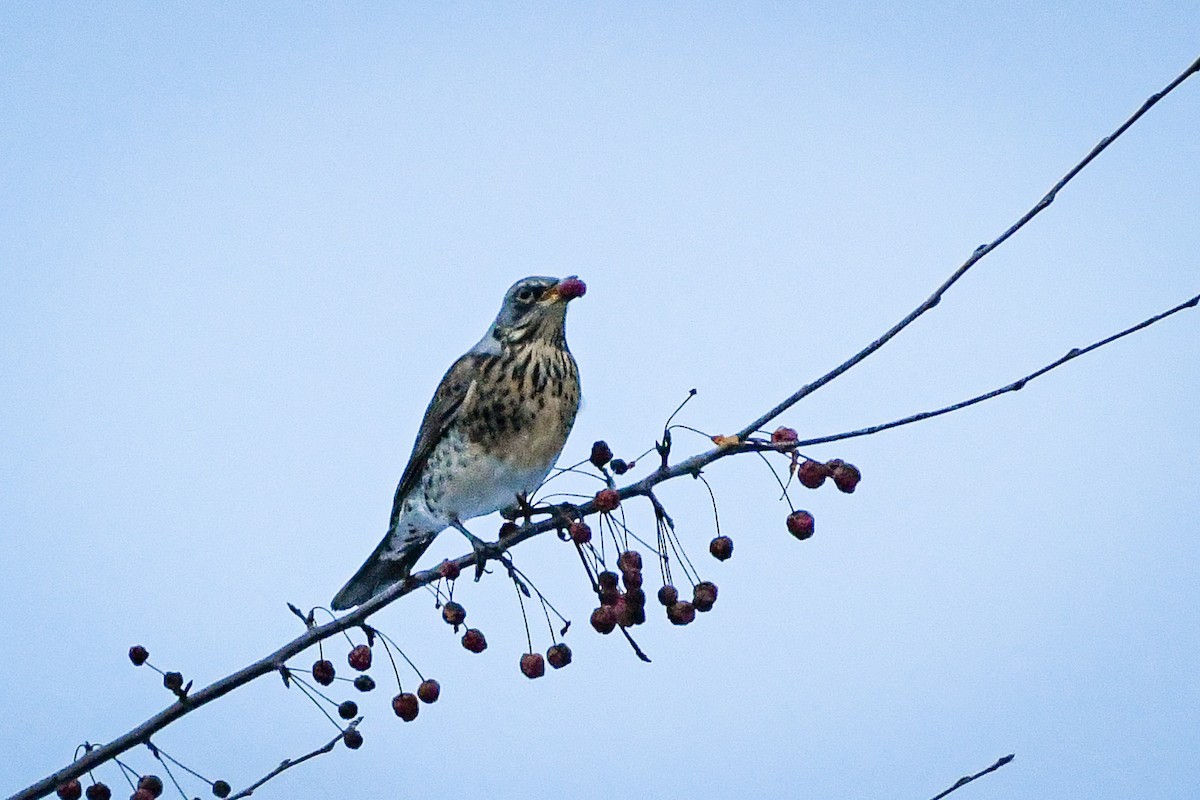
[626, 614]
[508, 529]
[353, 739]
[360, 658]
[559, 655]
[637, 614]
[784, 437]
[619, 466]
[607, 499]
[681, 613]
[632, 578]
[141, 794]
[571, 287]
[846, 476]
[580, 532]
[629, 560]
[609, 595]
[801, 524]
[364, 683]
[449, 570]
[222, 789]
[607, 579]
[152, 784]
[721, 548]
[704, 595]
[533, 665]
[604, 619]
[635, 598]
[138, 655]
[812, 474]
[71, 790]
[473, 640]
[667, 595]
[98, 791]
[406, 706]
[348, 709]
[323, 672]
[454, 614]
[601, 454]
[173, 681]
[429, 691]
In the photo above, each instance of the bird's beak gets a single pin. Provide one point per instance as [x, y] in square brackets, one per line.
[565, 290]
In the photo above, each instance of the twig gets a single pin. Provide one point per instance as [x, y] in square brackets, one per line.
[288, 763]
[964, 781]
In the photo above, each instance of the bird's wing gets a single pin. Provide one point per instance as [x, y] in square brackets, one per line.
[453, 393]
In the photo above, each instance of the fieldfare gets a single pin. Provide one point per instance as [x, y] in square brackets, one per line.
[491, 433]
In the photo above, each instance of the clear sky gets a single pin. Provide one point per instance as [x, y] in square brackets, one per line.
[240, 243]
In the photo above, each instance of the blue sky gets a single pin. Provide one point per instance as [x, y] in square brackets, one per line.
[239, 246]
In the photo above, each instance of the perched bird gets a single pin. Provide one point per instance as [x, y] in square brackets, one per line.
[491, 433]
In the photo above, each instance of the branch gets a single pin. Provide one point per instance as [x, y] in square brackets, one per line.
[276, 660]
[979, 253]
[964, 781]
[288, 763]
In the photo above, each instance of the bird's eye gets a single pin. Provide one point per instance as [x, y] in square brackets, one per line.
[526, 295]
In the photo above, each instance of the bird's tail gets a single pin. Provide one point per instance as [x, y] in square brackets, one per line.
[388, 565]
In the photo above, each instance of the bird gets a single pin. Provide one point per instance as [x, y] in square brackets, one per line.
[495, 427]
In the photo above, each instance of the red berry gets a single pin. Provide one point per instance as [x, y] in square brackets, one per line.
[635, 598]
[141, 794]
[607, 579]
[71, 790]
[681, 613]
[323, 672]
[406, 706]
[601, 454]
[846, 476]
[784, 437]
[533, 665]
[559, 655]
[667, 595]
[449, 570]
[348, 709]
[508, 529]
[801, 524]
[604, 619]
[353, 739]
[721, 548]
[632, 578]
[473, 640]
[704, 595]
[152, 784]
[222, 789]
[630, 559]
[812, 473]
[364, 683]
[429, 691]
[138, 655]
[607, 499]
[609, 595]
[173, 681]
[360, 658]
[626, 614]
[570, 288]
[580, 532]
[619, 466]
[98, 791]
[454, 614]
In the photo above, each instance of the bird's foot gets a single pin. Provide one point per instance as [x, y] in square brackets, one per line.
[490, 551]
[523, 509]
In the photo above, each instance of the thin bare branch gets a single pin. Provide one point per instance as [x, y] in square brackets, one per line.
[288, 763]
[961, 782]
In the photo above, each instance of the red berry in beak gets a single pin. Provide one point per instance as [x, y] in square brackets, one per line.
[572, 287]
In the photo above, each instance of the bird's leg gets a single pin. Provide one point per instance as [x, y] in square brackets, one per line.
[489, 550]
[524, 509]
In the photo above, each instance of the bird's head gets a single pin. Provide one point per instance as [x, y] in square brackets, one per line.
[534, 308]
